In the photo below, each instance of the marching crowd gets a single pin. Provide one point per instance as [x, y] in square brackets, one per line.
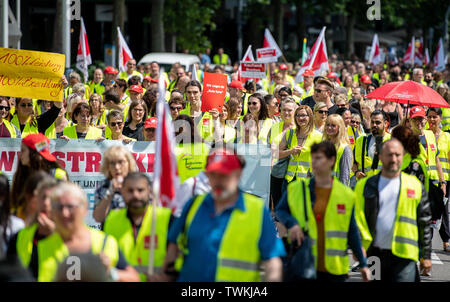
[348, 172]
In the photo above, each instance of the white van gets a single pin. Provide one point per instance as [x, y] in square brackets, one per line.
[167, 59]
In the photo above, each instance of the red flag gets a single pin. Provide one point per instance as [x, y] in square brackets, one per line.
[375, 53]
[124, 51]
[418, 56]
[439, 59]
[269, 41]
[84, 53]
[426, 57]
[317, 58]
[166, 180]
[409, 56]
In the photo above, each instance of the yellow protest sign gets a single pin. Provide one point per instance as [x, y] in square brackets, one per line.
[31, 74]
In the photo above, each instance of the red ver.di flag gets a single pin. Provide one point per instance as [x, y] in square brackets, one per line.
[214, 91]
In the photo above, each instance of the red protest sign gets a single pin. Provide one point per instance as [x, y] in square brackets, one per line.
[253, 70]
[266, 55]
[214, 91]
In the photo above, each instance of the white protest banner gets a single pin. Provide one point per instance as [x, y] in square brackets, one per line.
[253, 70]
[82, 160]
[266, 55]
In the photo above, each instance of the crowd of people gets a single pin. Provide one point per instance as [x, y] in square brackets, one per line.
[347, 172]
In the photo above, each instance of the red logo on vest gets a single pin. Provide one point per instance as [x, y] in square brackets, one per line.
[341, 208]
[411, 193]
[432, 147]
[205, 122]
[147, 242]
[352, 140]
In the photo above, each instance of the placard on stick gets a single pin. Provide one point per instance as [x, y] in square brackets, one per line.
[214, 91]
[253, 70]
[266, 55]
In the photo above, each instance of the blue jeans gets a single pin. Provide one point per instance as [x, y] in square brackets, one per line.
[393, 268]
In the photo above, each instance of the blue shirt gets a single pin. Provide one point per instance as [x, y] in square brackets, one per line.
[205, 59]
[205, 235]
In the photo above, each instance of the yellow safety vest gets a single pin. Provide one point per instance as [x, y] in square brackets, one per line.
[93, 132]
[336, 222]
[444, 149]
[445, 119]
[24, 244]
[352, 135]
[136, 251]
[28, 129]
[52, 251]
[68, 91]
[239, 256]
[11, 129]
[206, 127]
[50, 133]
[308, 93]
[360, 153]
[340, 151]
[125, 76]
[299, 164]
[191, 159]
[407, 159]
[220, 61]
[405, 237]
[429, 155]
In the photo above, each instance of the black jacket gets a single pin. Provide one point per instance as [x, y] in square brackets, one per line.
[372, 207]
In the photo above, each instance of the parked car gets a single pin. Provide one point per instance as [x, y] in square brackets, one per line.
[167, 59]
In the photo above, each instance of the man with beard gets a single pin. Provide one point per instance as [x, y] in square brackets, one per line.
[131, 226]
[224, 235]
[393, 215]
[365, 155]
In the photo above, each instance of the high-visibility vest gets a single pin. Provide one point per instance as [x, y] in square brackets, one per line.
[28, 129]
[276, 133]
[217, 60]
[245, 105]
[407, 159]
[444, 149]
[445, 119]
[206, 126]
[68, 91]
[429, 155]
[191, 159]
[93, 132]
[307, 93]
[101, 120]
[136, 251]
[340, 151]
[50, 133]
[52, 251]
[264, 131]
[405, 236]
[360, 153]
[352, 135]
[24, 244]
[239, 256]
[125, 76]
[336, 222]
[299, 164]
[11, 129]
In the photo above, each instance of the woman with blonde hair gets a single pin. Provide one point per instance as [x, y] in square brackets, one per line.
[336, 132]
[117, 162]
[98, 112]
[320, 116]
[299, 150]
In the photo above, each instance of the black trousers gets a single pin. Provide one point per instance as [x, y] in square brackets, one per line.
[393, 268]
[276, 191]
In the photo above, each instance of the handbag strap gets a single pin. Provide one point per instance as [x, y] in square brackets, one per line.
[363, 151]
[305, 210]
[291, 134]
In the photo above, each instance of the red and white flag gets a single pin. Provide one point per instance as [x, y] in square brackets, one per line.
[317, 58]
[426, 57]
[165, 179]
[375, 53]
[409, 56]
[84, 53]
[248, 57]
[439, 58]
[269, 41]
[124, 51]
[418, 59]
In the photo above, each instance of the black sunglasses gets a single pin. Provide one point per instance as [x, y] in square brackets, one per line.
[6, 108]
[26, 105]
[253, 103]
[114, 124]
[323, 111]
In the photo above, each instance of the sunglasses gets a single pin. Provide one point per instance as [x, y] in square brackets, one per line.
[26, 105]
[355, 122]
[323, 111]
[6, 108]
[178, 108]
[341, 105]
[319, 90]
[114, 124]
[253, 103]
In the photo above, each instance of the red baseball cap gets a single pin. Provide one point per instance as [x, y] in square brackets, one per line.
[151, 122]
[417, 111]
[283, 67]
[155, 81]
[222, 161]
[39, 143]
[111, 70]
[308, 73]
[366, 79]
[237, 85]
[148, 78]
[332, 75]
[136, 88]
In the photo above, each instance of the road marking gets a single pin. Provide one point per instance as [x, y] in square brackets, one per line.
[435, 259]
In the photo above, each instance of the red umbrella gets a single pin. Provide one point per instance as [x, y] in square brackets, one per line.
[409, 92]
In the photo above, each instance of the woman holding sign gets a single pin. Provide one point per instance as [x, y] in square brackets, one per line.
[7, 130]
[26, 120]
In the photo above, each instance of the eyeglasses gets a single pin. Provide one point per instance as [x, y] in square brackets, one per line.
[341, 105]
[6, 108]
[323, 111]
[319, 90]
[26, 105]
[301, 115]
[253, 103]
[70, 207]
[331, 126]
[355, 122]
[114, 124]
[177, 108]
